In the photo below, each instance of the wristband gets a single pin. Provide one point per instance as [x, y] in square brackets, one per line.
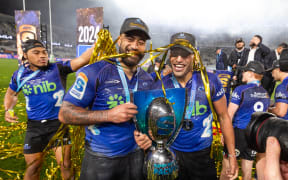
[11, 112]
[231, 155]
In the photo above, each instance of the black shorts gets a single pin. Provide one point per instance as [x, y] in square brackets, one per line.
[241, 146]
[128, 167]
[196, 165]
[39, 133]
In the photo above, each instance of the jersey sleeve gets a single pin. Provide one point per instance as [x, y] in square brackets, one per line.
[281, 94]
[236, 96]
[83, 91]
[64, 68]
[13, 81]
[217, 88]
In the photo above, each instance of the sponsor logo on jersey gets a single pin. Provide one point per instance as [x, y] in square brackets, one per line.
[79, 86]
[199, 108]
[115, 81]
[235, 95]
[115, 100]
[43, 87]
[27, 146]
[259, 95]
[280, 95]
[219, 93]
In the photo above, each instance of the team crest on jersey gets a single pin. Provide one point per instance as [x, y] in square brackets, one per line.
[79, 86]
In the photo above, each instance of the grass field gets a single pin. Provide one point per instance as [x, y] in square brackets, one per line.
[14, 167]
[9, 133]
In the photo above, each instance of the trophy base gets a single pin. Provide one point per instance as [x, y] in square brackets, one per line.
[161, 165]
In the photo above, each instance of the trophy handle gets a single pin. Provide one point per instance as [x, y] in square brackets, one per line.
[177, 130]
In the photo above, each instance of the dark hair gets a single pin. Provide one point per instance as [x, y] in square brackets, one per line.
[259, 37]
[31, 43]
[238, 41]
[283, 45]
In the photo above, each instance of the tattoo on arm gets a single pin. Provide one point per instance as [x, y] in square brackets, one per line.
[71, 114]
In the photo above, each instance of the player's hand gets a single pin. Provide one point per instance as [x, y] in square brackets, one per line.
[143, 141]
[275, 169]
[122, 113]
[232, 171]
[11, 117]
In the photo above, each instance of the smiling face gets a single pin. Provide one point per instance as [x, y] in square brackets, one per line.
[37, 58]
[134, 42]
[181, 63]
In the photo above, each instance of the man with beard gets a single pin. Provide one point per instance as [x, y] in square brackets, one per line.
[100, 99]
[43, 86]
[193, 143]
[258, 52]
[238, 53]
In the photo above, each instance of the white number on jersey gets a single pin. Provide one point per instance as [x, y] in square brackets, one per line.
[59, 96]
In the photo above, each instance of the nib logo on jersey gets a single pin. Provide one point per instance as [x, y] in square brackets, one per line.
[199, 108]
[43, 87]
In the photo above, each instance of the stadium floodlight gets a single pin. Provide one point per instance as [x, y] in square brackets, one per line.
[24, 7]
[51, 33]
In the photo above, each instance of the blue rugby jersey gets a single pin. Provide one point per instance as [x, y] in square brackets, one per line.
[200, 137]
[45, 91]
[98, 86]
[281, 94]
[225, 78]
[250, 98]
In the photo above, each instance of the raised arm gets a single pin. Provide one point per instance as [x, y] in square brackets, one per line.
[10, 100]
[71, 114]
[82, 60]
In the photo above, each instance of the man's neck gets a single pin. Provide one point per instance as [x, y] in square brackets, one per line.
[129, 71]
[33, 68]
[253, 80]
[183, 81]
[285, 75]
[239, 50]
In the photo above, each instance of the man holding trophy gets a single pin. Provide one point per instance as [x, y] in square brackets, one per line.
[100, 100]
[192, 146]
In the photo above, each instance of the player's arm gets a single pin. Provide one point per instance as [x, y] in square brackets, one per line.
[280, 109]
[81, 60]
[10, 100]
[71, 114]
[228, 133]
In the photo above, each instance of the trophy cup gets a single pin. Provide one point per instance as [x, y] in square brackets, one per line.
[163, 120]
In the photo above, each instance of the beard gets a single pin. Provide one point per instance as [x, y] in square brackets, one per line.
[42, 68]
[131, 61]
[252, 45]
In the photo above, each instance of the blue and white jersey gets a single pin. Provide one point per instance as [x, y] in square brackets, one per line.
[200, 137]
[281, 94]
[99, 87]
[44, 92]
[250, 98]
[225, 78]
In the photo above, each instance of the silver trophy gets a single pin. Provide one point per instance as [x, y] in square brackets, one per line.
[160, 120]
